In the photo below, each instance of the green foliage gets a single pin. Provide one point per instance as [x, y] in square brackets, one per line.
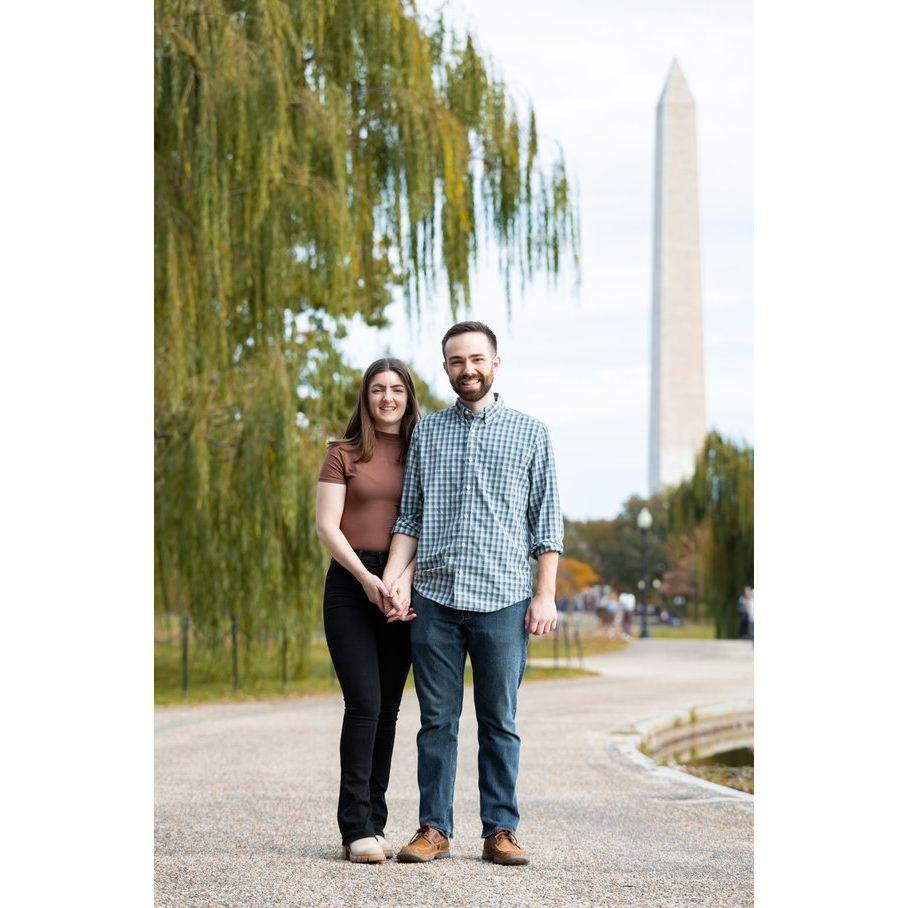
[717, 504]
[613, 548]
[310, 157]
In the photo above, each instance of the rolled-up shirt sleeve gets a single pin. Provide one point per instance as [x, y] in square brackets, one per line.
[544, 508]
[410, 521]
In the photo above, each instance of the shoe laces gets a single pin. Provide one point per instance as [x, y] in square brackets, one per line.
[506, 834]
[421, 833]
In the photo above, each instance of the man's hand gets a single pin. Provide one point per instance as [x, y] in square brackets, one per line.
[396, 605]
[397, 616]
[401, 591]
[542, 615]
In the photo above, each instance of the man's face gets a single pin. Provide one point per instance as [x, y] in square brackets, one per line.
[470, 365]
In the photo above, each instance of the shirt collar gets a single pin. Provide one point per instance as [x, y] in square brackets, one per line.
[486, 414]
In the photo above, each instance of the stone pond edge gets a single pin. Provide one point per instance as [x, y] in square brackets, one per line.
[628, 745]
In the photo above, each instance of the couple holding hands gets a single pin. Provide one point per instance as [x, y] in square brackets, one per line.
[431, 524]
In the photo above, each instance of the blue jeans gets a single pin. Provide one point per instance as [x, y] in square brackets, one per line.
[440, 639]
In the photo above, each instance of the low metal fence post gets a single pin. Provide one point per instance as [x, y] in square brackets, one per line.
[234, 655]
[555, 641]
[184, 640]
[579, 647]
[567, 639]
[284, 658]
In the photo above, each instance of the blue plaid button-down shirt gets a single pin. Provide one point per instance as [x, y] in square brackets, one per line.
[481, 496]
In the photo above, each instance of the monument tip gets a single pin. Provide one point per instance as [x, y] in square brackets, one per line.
[676, 89]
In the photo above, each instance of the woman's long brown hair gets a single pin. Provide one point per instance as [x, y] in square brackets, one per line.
[360, 431]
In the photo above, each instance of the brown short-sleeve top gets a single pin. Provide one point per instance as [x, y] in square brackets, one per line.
[372, 503]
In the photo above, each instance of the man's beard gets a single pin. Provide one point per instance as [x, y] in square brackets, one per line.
[475, 393]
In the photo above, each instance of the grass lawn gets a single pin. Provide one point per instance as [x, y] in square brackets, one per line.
[590, 645]
[209, 673]
[688, 631]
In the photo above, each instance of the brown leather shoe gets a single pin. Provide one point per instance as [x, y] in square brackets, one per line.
[427, 845]
[502, 848]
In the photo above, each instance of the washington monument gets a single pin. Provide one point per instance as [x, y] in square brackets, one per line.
[677, 393]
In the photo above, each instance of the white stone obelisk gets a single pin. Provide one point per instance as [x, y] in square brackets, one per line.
[677, 393]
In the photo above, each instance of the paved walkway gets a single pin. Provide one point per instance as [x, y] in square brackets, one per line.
[246, 795]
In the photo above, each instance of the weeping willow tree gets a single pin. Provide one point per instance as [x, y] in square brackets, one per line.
[311, 159]
[717, 504]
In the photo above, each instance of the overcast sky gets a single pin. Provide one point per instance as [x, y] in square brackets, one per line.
[580, 361]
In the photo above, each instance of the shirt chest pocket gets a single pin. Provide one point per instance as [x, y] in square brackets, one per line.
[505, 478]
[443, 470]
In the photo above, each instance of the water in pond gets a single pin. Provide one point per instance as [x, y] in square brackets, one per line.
[740, 756]
[732, 768]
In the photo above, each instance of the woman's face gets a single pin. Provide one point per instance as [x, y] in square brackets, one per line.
[387, 401]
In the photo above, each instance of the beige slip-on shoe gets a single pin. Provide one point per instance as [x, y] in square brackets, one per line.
[385, 846]
[364, 851]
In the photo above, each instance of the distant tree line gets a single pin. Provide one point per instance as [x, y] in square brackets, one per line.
[613, 549]
[701, 544]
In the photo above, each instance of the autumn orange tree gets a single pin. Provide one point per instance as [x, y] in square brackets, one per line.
[573, 577]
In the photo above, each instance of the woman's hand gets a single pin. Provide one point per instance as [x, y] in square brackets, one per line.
[376, 591]
[400, 592]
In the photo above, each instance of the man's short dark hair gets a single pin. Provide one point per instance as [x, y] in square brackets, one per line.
[468, 328]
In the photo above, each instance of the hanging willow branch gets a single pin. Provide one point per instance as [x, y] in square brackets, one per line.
[718, 502]
[310, 157]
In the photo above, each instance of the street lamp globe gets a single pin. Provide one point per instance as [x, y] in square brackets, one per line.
[644, 519]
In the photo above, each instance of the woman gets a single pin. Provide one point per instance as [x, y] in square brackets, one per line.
[357, 503]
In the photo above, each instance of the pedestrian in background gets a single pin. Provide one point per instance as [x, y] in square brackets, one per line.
[628, 602]
[749, 610]
[742, 614]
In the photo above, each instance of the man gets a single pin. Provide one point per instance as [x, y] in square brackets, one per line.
[479, 499]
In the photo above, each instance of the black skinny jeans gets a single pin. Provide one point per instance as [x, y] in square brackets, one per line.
[371, 658]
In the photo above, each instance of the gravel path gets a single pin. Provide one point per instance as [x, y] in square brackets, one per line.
[245, 797]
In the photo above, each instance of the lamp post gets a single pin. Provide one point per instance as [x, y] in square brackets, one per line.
[645, 521]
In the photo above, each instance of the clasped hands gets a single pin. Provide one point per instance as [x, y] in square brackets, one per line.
[394, 601]
[392, 598]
